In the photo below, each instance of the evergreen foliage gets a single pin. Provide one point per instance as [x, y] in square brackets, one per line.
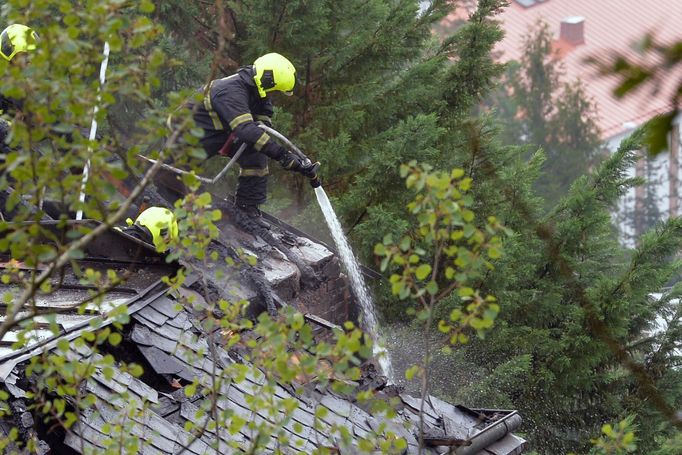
[546, 357]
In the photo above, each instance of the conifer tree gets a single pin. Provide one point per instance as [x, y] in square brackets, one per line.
[546, 358]
[369, 75]
[539, 109]
[351, 56]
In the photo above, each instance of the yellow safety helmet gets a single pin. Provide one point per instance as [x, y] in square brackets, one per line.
[161, 223]
[274, 72]
[17, 38]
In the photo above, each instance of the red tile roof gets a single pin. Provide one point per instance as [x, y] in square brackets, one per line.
[610, 26]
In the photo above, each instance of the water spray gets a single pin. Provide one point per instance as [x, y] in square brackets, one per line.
[357, 282]
[369, 317]
[370, 322]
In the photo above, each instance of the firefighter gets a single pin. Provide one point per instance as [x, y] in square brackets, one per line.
[156, 225]
[229, 115]
[15, 39]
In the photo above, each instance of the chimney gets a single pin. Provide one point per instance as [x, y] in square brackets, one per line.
[573, 30]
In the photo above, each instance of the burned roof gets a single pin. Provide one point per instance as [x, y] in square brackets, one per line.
[139, 266]
[180, 350]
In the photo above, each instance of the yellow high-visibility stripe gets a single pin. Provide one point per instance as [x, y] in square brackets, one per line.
[254, 172]
[238, 120]
[263, 118]
[262, 140]
[217, 124]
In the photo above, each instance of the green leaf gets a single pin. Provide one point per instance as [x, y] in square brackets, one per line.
[115, 338]
[190, 389]
[443, 326]
[146, 6]
[410, 372]
[405, 244]
[76, 254]
[423, 271]
[656, 133]
[494, 253]
[59, 405]
[432, 288]
[404, 293]
[397, 287]
[455, 315]
[63, 345]
[108, 372]
[465, 291]
[135, 370]
[607, 429]
[321, 412]
[204, 200]
[457, 173]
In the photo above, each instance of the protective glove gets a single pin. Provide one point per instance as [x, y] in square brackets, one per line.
[291, 162]
[310, 169]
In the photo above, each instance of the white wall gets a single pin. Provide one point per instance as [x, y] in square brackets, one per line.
[659, 170]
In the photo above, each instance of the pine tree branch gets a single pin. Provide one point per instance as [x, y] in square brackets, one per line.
[595, 325]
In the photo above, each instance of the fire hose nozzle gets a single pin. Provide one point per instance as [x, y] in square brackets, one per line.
[315, 182]
[312, 175]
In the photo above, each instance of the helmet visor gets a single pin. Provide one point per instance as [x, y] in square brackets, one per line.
[6, 47]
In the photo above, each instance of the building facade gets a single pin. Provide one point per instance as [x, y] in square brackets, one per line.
[589, 29]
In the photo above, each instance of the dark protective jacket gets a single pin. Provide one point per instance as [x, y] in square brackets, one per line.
[232, 104]
[8, 106]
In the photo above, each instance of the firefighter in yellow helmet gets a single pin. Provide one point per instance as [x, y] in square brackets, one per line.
[229, 114]
[15, 39]
[156, 225]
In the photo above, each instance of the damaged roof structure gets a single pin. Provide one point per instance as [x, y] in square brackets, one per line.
[169, 333]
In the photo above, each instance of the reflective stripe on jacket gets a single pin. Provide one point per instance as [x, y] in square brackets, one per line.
[233, 104]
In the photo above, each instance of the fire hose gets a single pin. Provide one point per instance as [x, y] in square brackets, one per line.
[311, 174]
[314, 167]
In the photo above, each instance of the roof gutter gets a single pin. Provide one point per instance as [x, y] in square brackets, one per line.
[492, 433]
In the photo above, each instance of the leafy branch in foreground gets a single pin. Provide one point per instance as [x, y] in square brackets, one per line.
[618, 439]
[437, 261]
